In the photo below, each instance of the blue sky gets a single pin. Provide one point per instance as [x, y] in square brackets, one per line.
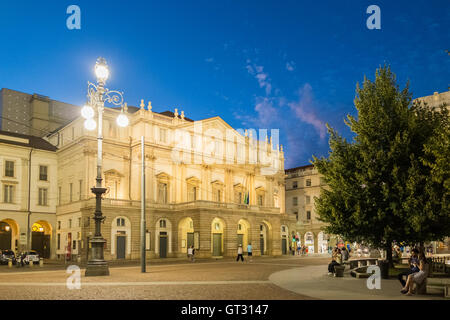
[288, 65]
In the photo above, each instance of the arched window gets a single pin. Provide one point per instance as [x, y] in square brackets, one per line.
[120, 222]
[162, 223]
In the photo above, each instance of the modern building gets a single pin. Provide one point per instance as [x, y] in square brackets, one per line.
[28, 180]
[302, 185]
[206, 185]
[33, 114]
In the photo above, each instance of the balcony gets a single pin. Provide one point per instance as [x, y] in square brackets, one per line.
[183, 205]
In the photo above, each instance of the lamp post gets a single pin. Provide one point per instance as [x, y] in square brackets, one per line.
[97, 96]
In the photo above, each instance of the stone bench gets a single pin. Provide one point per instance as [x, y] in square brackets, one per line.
[362, 262]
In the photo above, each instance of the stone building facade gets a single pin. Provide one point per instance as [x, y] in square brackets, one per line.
[199, 175]
[28, 183]
[302, 185]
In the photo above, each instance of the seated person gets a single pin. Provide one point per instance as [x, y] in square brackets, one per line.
[336, 260]
[416, 277]
[413, 266]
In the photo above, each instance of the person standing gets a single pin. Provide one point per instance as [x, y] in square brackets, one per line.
[240, 252]
[249, 251]
[190, 253]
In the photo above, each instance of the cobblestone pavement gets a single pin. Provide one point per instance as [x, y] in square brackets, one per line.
[203, 280]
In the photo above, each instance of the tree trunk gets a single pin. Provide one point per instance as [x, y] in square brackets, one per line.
[389, 254]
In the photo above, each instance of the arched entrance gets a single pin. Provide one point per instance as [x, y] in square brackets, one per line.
[284, 239]
[243, 233]
[309, 241]
[41, 232]
[121, 237]
[163, 236]
[322, 242]
[185, 234]
[217, 232]
[265, 237]
[5, 236]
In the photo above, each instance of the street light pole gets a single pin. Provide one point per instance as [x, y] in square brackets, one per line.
[97, 95]
[143, 227]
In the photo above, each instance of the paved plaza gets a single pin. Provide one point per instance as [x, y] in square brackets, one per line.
[284, 278]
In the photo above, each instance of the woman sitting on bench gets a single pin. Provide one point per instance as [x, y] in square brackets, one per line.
[336, 260]
[416, 277]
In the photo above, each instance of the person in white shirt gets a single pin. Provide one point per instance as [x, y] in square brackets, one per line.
[250, 252]
[190, 253]
[240, 252]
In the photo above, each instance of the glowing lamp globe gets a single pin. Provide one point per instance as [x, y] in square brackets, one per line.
[101, 70]
[122, 120]
[87, 112]
[90, 124]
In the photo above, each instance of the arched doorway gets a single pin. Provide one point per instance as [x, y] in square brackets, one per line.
[217, 232]
[309, 241]
[284, 239]
[243, 233]
[121, 237]
[322, 242]
[5, 236]
[41, 232]
[265, 237]
[186, 236]
[163, 236]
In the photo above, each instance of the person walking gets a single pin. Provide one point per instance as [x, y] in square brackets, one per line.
[249, 251]
[190, 253]
[240, 252]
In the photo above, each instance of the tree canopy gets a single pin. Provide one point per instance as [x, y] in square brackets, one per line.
[392, 181]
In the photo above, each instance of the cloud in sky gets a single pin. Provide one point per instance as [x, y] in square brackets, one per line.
[209, 60]
[291, 116]
[290, 66]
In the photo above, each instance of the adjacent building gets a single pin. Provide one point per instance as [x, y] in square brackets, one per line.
[28, 184]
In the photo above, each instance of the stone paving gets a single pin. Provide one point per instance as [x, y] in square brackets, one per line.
[284, 278]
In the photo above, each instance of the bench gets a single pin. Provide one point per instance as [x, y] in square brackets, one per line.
[441, 283]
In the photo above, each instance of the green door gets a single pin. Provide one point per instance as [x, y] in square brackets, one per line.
[240, 239]
[120, 245]
[190, 239]
[283, 245]
[163, 246]
[217, 244]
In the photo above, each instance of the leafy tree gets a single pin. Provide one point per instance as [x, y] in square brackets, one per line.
[391, 182]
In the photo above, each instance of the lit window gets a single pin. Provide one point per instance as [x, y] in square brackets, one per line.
[294, 201]
[162, 223]
[8, 193]
[43, 197]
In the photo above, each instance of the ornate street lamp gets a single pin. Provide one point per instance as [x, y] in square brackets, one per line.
[97, 96]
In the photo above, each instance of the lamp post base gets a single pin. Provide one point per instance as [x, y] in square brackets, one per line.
[97, 266]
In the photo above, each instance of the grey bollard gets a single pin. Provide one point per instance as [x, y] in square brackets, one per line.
[41, 262]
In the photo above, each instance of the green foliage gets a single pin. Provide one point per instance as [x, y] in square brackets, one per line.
[392, 181]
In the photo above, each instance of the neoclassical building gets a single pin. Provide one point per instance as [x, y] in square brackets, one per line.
[207, 185]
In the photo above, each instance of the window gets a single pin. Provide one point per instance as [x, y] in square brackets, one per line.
[308, 199]
[9, 168]
[43, 196]
[238, 196]
[283, 229]
[260, 227]
[217, 226]
[218, 196]
[59, 195]
[260, 200]
[192, 196]
[70, 223]
[239, 226]
[294, 201]
[162, 223]
[8, 193]
[120, 222]
[308, 215]
[70, 191]
[296, 215]
[162, 193]
[74, 244]
[81, 189]
[59, 241]
[294, 185]
[308, 182]
[79, 222]
[59, 225]
[163, 135]
[43, 173]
